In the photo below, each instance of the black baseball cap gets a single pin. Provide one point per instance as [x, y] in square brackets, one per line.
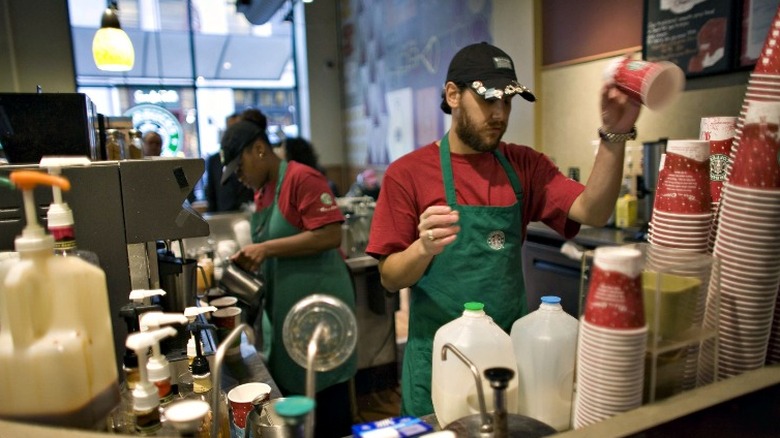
[238, 137]
[488, 70]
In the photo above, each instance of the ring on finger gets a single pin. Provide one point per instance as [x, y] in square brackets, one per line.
[430, 236]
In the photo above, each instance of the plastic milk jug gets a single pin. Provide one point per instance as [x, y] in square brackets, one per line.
[57, 363]
[545, 345]
[486, 345]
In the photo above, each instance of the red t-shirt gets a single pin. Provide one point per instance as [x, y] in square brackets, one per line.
[414, 182]
[305, 198]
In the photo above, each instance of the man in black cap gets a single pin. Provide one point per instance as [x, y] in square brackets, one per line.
[451, 217]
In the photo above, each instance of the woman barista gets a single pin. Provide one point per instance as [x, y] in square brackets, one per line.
[296, 234]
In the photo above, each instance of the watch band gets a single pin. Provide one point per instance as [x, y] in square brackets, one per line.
[611, 137]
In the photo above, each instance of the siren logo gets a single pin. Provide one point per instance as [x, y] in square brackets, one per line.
[718, 163]
[496, 240]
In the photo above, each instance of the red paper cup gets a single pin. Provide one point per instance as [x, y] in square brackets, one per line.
[720, 132]
[241, 398]
[615, 293]
[226, 319]
[654, 84]
[683, 185]
[757, 163]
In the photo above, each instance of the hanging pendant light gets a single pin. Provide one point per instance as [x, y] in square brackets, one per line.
[111, 47]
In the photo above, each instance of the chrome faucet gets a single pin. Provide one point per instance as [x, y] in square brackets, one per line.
[216, 374]
[487, 426]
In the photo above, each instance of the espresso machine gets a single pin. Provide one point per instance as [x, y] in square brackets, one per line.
[652, 151]
[122, 210]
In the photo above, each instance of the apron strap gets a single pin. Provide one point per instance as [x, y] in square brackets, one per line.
[446, 169]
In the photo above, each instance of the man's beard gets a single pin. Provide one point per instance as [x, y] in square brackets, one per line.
[471, 136]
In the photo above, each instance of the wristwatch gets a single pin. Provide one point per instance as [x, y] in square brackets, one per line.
[611, 137]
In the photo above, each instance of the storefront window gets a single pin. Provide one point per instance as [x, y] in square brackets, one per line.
[196, 63]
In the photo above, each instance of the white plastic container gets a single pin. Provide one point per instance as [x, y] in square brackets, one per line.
[545, 346]
[486, 345]
[57, 363]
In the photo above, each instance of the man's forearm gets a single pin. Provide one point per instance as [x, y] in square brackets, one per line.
[596, 203]
[405, 268]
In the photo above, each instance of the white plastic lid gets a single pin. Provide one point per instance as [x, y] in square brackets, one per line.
[33, 241]
[59, 215]
[158, 368]
[625, 260]
[145, 396]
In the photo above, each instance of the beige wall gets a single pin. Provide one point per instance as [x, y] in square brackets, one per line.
[569, 99]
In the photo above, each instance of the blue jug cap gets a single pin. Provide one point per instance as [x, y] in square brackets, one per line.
[551, 299]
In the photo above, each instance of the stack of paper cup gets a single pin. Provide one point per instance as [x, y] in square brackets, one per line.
[720, 132]
[748, 244]
[612, 339]
[682, 208]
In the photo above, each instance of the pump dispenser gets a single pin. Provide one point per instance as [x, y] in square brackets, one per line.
[139, 303]
[202, 384]
[146, 401]
[56, 341]
[158, 367]
[59, 217]
[192, 314]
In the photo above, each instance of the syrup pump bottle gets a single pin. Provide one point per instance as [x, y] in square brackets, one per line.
[146, 400]
[202, 386]
[192, 314]
[56, 339]
[59, 218]
[140, 302]
[158, 368]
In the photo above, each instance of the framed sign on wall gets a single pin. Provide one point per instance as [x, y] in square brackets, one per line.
[757, 17]
[697, 35]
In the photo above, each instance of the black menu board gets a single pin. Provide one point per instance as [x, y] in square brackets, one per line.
[697, 35]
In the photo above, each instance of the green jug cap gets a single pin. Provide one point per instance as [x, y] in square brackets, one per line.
[474, 305]
[294, 406]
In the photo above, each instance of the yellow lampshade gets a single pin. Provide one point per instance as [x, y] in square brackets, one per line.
[111, 47]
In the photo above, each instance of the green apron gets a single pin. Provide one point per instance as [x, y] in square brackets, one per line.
[482, 264]
[290, 279]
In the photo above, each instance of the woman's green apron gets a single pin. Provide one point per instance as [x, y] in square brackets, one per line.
[290, 279]
[483, 264]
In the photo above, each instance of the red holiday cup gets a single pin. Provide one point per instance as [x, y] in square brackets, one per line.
[615, 293]
[654, 84]
[757, 163]
[241, 400]
[684, 180]
[720, 132]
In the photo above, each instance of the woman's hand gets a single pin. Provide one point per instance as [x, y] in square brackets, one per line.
[250, 257]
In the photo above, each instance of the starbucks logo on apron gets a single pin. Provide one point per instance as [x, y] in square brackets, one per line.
[496, 240]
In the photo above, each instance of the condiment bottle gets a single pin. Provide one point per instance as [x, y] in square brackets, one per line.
[146, 401]
[56, 339]
[158, 368]
[453, 391]
[59, 217]
[545, 346]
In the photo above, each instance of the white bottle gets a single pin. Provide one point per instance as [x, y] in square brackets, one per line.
[545, 345]
[56, 339]
[159, 368]
[486, 345]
